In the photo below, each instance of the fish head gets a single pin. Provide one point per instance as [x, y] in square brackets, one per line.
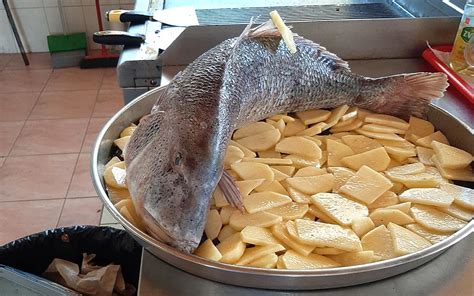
[172, 176]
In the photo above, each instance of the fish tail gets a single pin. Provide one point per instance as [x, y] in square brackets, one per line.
[402, 95]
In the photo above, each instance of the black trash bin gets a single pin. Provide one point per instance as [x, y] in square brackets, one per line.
[34, 253]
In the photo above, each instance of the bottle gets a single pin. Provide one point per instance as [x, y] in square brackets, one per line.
[457, 59]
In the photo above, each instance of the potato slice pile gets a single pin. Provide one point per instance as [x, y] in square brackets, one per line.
[330, 188]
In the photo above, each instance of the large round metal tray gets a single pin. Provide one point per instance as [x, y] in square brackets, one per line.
[459, 135]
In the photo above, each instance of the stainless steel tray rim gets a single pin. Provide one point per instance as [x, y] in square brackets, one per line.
[340, 271]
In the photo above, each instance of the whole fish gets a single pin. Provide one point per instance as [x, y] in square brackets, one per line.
[175, 157]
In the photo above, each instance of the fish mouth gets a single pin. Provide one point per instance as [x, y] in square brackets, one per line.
[160, 233]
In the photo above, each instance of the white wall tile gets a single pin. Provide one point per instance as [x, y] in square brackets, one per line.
[32, 24]
[70, 3]
[75, 19]
[25, 3]
[127, 1]
[7, 40]
[50, 3]
[127, 6]
[53, 17]
[88, 2]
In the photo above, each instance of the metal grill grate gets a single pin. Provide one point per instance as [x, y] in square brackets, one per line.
[224, 16]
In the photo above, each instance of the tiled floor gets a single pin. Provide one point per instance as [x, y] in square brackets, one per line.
[48, 122]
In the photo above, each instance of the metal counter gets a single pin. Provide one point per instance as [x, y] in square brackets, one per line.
[452, 273]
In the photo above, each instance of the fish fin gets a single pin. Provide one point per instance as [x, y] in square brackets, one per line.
[338, 63]
[231, 191]
[403, 95]
[266, 29]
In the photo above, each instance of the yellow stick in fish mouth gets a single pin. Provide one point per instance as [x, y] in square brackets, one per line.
[285, 32]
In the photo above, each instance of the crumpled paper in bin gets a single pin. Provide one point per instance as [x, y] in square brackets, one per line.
[90, 279]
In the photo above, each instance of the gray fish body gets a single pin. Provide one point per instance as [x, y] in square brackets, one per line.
[175, 157]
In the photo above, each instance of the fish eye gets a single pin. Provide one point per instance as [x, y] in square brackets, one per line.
[178, 158]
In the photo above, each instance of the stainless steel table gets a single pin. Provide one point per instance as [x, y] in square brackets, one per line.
[452, 273]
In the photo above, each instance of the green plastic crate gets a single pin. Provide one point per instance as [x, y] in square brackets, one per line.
[59, 43]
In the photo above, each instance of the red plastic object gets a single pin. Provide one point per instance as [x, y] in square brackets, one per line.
[464, 88]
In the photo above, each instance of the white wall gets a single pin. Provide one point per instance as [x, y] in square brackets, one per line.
[36, 19]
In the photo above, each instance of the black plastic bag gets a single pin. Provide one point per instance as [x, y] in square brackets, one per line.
[34, 253]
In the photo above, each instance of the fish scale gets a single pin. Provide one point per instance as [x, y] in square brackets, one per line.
[175, 157]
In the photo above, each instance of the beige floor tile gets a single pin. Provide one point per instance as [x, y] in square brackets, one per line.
[75, 79]
[81, 211]
[22, 218]
[109, 101]
[107, 217]
[95, 125]
[36, 177]
[23, 81]
[17, 106]
[9, 131]
[4, 60]
[110, 79]
[50, 136]
[81, 184]
[38, 60]
[2, 160]
[64, 104]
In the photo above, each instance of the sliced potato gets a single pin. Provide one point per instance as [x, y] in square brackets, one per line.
[436, 220]
[232, 155]
[328, 251]
[257, 252]
[238, 221]
[336, 115]
[128, 131]
[231, 249]
[269, 154]
[226, 231]
[464, 174]
[279, 176]
[115, 175]
[294, 260]
[406, 241]
[386, 215]
[341, 175]
[313, 130]
[390, 143]
[122, 143]
[262, 201]
[300, 161]
[314, 210]
[327, 235]
[339, 208]
[359, 143]
[285, 169]
[408, 169]
[225, 213]
[294, 127]
[366, 185]
[355, 124]
[213, 224]
[380, 242]
[208, 250]
[451, 157]
[299, 146]
[436, 136]
[246, 186]
[274, 186]
[312, 185]
[272, 161]
[387, 120]
[387, 199]
[343, 123]
[337, 151]
[418, 128]
[382, 136]
[357, 258]
[258, 236]
[118, 194]
[362, 225]
[463, 196]
[351, 113]
[400, 154]
[280, 231]
[377, 128]
[290, 211]
[421, 180]
[433, 236]
[427, 196]
[404, 207]
[254, 170]
[376, 159]
[283, 117]
[298, 197]
[252, 129]
[112, 161]
[267, 261]
[219, 198]
[247, 152]
[313, 116]
[262, 141]
[458, 212]
[310, 171]
[424, 155]
[397, 187]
